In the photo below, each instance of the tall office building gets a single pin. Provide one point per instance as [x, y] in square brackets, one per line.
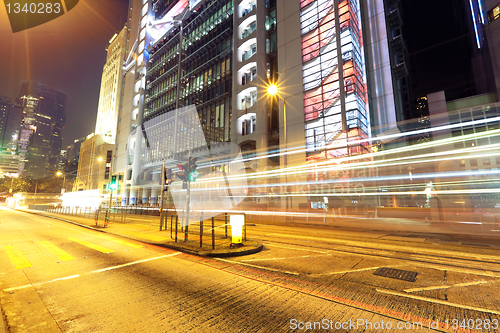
[10, 124]
[40, 138]
[132, 94]
[4, 110]
[111, 85]
[325, 56]
[322, 48]
[94, 164]
[491, 9]
[90, 176]
[73, 150]
[11, 117]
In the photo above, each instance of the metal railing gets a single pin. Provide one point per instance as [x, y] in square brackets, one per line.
[214, 232]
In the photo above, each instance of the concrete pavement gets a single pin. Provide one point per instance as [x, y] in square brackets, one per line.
[148, 232]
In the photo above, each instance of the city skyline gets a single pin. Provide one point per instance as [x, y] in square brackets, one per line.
[66, 54]
[348, 148]
[89, 56]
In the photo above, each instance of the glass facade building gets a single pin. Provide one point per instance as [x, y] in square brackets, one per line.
[206, 70]
[40, 138]
[335, 98]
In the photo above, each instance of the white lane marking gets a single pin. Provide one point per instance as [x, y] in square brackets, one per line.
[465, 284]
[133, 263]
[255, 266]
[92, 272]
[437, 301]
[345, 272]
[41, 283]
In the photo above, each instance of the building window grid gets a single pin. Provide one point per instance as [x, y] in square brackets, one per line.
[318, 133]
[210, 81]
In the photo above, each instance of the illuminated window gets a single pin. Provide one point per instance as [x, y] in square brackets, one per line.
[494, 14]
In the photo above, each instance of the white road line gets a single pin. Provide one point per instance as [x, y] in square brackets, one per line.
[345, 272]
[42, 283]
[255, 266]
[92, 272]
[133, 263]
[437, 301]
[465, 284]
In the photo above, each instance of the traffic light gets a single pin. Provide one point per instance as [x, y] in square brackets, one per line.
[191, 169]
[183, 175]
[169, 176]
[113, 185]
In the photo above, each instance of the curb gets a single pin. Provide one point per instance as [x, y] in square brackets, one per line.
[2, 321]
[253, 250]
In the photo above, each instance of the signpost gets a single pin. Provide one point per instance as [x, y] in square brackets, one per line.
[166, 178]
[113, 185]
[188, 174]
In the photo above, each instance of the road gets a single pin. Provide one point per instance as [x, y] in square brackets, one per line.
[58, 277]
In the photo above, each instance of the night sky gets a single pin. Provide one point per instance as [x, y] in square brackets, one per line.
[440, 46]
[67, 54]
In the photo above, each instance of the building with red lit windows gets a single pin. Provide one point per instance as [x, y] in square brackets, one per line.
[327, 58]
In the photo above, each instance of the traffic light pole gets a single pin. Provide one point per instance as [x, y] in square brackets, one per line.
[187, 200]
[110, 198]
[162, 193]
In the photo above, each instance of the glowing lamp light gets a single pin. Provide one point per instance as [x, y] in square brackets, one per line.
[272, 89]
[237, 222]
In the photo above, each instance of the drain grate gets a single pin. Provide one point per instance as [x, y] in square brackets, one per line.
[396, 274]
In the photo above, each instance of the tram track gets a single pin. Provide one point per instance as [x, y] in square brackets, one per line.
[471, 265]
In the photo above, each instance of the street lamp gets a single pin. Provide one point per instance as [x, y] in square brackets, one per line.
[59, 173]
[273, 91]
[12, 182]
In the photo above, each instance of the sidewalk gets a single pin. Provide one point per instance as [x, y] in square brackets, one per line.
[147, 231]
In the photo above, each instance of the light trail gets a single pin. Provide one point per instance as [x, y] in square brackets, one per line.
[382, 163]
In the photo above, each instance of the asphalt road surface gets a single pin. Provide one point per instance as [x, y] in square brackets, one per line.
[58, 277]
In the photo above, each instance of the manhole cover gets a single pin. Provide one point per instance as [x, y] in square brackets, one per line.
[396, 274]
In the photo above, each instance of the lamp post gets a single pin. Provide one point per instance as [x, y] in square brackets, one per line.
[272, 91]
[12, 182]
[59, 173]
